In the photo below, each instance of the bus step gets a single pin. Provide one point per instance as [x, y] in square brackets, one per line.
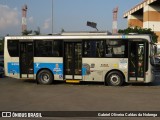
[72, 81]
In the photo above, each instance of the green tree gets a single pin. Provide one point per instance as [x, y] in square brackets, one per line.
[35, 32]
[62, 30]
[26, 32]
[139, 30]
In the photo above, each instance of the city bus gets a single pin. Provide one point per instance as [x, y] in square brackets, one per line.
[76, 57]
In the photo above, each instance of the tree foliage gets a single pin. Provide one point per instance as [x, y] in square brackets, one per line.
[62, 30]
[26, 32]
[35, 32]
[139, 30]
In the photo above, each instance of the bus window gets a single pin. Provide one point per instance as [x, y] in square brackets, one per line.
[57, 48]
[43, 48]
[93, 48]
[50, 48]
[13, 48]
[116, 48]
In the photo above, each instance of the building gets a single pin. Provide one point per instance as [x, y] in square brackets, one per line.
[145, 15]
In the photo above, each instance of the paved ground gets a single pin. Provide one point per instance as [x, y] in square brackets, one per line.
[26, 95]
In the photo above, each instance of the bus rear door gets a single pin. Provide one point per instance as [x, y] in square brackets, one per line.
[26, 60]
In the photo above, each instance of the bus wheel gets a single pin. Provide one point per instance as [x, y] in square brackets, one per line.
[114, 78]
[45, 77]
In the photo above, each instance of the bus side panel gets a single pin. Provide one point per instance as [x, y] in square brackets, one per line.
[11, 64]
[95, 69]
[13, 68]
[53, 64]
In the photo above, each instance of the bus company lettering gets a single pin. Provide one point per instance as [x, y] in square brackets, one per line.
[104, 65]
[14, 63]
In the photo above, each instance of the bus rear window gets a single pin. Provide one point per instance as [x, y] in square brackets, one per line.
[13, 48]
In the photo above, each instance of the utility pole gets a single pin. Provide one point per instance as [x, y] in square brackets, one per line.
[52, 16]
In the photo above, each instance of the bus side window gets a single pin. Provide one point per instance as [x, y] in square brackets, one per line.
[109, 49]
[100, 48]
[93, 48]
[13, 48]
[57, 48]
[48, 48]
[41, 48]
[87, 49]
[116, 48]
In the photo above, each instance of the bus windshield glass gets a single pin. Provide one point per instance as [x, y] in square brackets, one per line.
[155, 59]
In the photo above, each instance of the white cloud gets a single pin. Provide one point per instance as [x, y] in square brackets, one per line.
[8, 17]
[47, 24]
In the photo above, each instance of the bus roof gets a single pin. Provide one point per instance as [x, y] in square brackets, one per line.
[72, 36]
[85, 33]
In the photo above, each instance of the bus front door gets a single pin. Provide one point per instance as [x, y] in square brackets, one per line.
[73, 61]
[26, 60]
[137, 61]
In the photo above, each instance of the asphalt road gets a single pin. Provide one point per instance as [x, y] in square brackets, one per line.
[26, 95]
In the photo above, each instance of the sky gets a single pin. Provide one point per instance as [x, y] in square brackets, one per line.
[70, 15]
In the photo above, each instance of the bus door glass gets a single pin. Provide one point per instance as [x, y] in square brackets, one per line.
[73, 60]
[26, 60]
[137, 61]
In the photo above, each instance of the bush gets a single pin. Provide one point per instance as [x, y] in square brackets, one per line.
[140, 31]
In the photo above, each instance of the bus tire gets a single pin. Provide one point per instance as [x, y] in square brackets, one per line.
[114, 78]
[45, 77]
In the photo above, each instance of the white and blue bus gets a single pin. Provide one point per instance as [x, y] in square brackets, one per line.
[75, 57]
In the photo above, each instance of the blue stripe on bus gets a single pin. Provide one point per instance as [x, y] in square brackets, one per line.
[13, 67]
[56, 68]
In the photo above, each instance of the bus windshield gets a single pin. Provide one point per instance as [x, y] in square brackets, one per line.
[155, 59]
